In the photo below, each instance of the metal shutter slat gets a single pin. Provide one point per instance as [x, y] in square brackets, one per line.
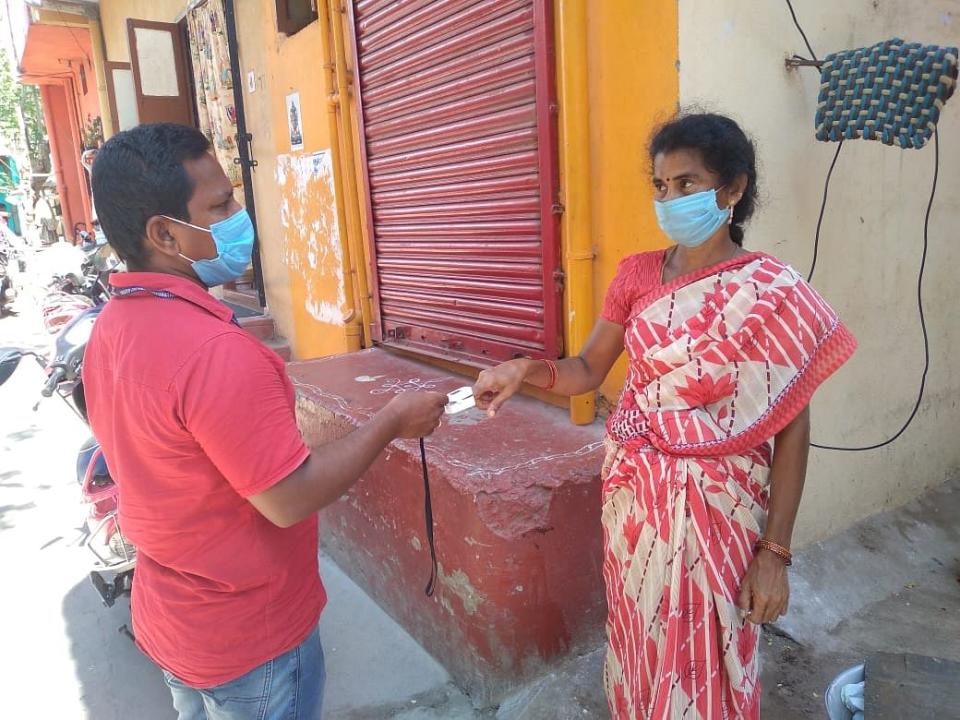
[429, 56]
[458, 143]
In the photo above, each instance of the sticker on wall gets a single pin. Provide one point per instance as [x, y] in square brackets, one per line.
[294, 121]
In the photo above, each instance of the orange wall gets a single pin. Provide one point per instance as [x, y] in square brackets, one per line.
[632, 55]
[65, 149]
[633, 85]
[303, 263]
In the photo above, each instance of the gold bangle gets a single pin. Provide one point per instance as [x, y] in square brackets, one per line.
[779, 550]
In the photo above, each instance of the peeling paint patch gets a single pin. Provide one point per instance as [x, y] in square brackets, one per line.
[459, 584]
[311, 243]
[324, 311]
[446, 605]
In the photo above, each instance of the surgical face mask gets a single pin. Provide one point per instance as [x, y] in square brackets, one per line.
[234, 240]
[692, 220]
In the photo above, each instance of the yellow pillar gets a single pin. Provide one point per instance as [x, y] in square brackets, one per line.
[100, 68]
[573, 91]
[358, 266]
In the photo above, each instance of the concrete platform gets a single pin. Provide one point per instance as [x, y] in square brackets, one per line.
[517, 508]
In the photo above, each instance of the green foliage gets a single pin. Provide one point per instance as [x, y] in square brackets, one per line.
[9, 99]
[22, 103]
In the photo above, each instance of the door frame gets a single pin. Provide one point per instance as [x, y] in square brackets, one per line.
[109, 66]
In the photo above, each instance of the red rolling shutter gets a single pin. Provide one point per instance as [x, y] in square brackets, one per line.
[458, 128]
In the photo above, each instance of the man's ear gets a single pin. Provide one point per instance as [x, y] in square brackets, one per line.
[162, 236]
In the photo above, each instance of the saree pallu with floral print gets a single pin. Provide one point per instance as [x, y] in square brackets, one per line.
[720, 362]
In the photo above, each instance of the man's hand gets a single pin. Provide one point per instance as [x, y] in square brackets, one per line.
[332, 468]
[765, 592]
[416, 414]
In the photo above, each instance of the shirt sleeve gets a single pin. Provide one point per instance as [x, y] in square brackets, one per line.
[238, 405]
[636, 276]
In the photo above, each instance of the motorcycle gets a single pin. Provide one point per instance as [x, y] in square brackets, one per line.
[114, 557]
[82, 281]
[9, 257]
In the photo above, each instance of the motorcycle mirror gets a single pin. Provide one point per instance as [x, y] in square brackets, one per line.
[9, 359]
[105, 259]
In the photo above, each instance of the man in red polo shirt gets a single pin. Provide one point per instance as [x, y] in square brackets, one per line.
[196, 417]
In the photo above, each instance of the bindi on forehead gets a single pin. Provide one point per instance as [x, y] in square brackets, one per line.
[680, 176]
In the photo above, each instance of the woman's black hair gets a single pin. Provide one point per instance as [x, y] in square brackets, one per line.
[139, 173]
[726, 150]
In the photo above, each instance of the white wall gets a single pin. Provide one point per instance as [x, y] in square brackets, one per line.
[732, 61]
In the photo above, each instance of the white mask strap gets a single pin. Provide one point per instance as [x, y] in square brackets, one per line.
[184, 222]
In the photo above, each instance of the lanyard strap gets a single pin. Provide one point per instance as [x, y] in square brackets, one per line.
[428, 514]
[140, 290]
[165, 294]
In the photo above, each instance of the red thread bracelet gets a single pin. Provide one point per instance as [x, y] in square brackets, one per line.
[552, 368]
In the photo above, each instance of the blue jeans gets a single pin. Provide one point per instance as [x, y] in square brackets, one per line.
[289, 687]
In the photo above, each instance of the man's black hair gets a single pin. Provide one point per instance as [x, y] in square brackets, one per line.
[139, 173]
[726, 150]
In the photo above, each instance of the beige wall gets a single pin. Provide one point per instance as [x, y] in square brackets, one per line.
[113, 18]
[732, 60]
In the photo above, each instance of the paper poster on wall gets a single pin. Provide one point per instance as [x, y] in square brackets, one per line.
[294, 121]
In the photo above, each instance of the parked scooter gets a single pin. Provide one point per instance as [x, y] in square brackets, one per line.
[8, 292]
[81, 281]
[114, 558]
[10, 257]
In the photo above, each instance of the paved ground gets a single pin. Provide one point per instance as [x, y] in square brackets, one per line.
[891, 583]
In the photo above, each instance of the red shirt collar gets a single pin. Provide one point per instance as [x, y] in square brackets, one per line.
[181, 287]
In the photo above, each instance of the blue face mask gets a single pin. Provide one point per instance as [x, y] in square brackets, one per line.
[234, 240]
[692, 220]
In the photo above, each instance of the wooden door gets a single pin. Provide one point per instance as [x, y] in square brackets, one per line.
[158, 55]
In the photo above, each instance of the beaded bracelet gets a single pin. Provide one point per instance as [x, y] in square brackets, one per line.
[779, 550]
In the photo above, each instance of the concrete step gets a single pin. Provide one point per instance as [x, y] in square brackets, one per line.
[264, 328]
[281, 347]
[246, 297]
[516, 504]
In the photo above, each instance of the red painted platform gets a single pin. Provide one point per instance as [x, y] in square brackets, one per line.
[516, 505]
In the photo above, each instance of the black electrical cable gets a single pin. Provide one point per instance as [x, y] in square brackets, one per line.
[823, 208]
[802, 33]
[923, 322]
[923, 264]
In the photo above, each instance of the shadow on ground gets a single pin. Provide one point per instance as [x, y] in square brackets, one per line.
[117, 681]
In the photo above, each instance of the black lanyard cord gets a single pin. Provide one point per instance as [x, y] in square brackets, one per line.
[428, 514]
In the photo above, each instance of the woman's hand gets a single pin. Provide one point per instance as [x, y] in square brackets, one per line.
[765, 592]
[497, 385]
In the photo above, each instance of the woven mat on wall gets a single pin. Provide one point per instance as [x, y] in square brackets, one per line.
[892, 92]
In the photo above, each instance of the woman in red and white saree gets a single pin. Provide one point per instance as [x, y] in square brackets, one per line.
[725, 348]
